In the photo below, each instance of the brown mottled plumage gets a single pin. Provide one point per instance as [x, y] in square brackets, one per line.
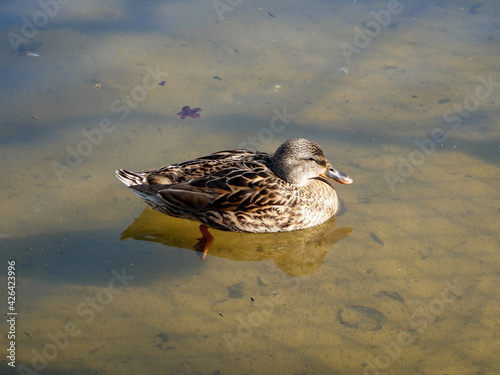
[245, 191]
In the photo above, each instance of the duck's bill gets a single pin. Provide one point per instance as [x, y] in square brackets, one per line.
[336, 175]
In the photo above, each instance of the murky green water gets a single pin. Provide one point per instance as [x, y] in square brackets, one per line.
[404, 97]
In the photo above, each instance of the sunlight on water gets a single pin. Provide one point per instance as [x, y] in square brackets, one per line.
[402, 96]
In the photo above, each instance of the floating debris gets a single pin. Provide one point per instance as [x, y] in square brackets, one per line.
[271, 15]
[98, 85]
[344, 70]
[34, 117]
[217, 77]
[162, 83]
[29, 54]
[186, 111]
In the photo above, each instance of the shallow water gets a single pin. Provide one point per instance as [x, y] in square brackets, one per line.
[405, 102]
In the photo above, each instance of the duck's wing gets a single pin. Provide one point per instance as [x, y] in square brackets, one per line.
[204, 166]
[244, 187]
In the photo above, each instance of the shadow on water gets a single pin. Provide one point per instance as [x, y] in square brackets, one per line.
[126, 17]
[87, 258]
[296, 253]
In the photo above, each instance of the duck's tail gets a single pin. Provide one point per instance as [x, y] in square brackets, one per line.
[131, 178]
[137, 181]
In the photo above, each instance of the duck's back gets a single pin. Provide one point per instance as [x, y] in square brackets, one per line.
[202, 167]
[209, 165]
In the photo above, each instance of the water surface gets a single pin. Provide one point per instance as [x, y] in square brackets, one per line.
[402, 97]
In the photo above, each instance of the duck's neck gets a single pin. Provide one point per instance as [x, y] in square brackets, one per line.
[290, 173]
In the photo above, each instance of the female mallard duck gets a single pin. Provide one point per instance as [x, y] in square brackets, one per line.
[245, 191]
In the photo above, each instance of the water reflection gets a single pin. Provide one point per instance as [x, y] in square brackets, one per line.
[296, 253]
[352, 315]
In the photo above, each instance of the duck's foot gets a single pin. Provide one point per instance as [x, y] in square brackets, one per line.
[204, 242]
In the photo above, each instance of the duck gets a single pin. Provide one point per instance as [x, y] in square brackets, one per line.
[245, 191]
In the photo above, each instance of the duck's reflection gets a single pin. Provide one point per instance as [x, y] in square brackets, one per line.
[296, 253]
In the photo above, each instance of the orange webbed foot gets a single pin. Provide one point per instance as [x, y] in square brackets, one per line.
[204, 242]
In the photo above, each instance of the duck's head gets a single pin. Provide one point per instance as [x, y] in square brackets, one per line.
[298, 160]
